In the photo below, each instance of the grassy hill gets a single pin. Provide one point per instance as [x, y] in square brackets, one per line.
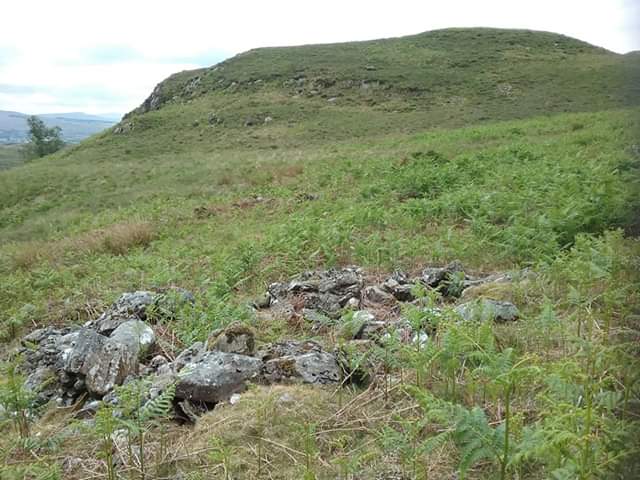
[502, 149]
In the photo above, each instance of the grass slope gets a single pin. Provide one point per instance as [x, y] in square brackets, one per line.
[215, 209]
[10, 156]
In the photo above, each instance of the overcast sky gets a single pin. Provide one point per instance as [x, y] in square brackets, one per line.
[100, 57]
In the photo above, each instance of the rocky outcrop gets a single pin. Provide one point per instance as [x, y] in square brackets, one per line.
[66, 364]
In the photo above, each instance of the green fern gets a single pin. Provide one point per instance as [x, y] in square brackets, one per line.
[159, 407]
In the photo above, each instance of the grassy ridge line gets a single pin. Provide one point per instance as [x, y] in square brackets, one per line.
[457, 76]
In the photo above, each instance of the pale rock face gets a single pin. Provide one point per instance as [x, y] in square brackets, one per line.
[216, 377]
[488, 310]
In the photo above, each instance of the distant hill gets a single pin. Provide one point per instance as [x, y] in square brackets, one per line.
[76, 126]
[443, 78]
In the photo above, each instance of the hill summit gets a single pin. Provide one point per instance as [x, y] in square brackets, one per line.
[441, 78]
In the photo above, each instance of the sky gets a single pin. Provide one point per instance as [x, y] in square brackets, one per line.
[106, 57]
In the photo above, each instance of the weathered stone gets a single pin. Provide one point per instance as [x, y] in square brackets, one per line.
[216, 377]
[371, 330]
[487, 310]
[287, 348]
[110, 366]
[433, 277]
[262, 302]
[314, 367]
[77, 348]
[192, 354]
[355, 324]
[399, 286]
[236, 338]
[130, 306]
[137, 336]
[43, 381]
[373, 295]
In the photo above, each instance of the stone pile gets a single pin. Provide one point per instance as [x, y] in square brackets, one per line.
[67, 365]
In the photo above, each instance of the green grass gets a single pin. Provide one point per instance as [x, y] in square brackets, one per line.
[391, 177]
[10, 156]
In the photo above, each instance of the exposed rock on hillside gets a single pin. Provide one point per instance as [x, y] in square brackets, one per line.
[65, 364]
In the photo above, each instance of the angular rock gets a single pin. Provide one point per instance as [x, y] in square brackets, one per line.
[488, 310]
[287, 348]
[373, 295]
[110, 366]
[399, 286]
[216, 376]
[77, 349]
[433, 277]
[137, 336]
[314, 368]
[236, 338]
[372, 330]
[130, 306]
[192, 354]
[355, 323]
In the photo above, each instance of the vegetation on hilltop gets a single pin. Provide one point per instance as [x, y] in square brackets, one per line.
[224, 209]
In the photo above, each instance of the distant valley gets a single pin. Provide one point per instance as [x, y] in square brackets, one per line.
[76, 126]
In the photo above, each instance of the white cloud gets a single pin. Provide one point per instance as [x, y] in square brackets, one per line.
[123, 48]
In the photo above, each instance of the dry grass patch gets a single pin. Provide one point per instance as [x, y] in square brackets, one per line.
[115, 239]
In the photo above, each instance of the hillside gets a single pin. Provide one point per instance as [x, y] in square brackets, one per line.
[411, 258]
[76, 126]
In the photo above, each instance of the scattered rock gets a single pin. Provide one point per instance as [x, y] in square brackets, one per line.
[314, 367]
[434, 277]
[214, 119]
[287, 348]
[123, 127]
[216, 376]
[236, 338]
[486, 310]
[375, 295]
[399, 286]
[130, 306]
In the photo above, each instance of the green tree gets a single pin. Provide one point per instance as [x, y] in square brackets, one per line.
[42, 139]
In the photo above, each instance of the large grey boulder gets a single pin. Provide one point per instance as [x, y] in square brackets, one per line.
[104, 362]
[110, 366]
[216, 376]
[487, 309]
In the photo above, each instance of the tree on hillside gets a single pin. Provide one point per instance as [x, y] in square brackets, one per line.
[42, 139]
